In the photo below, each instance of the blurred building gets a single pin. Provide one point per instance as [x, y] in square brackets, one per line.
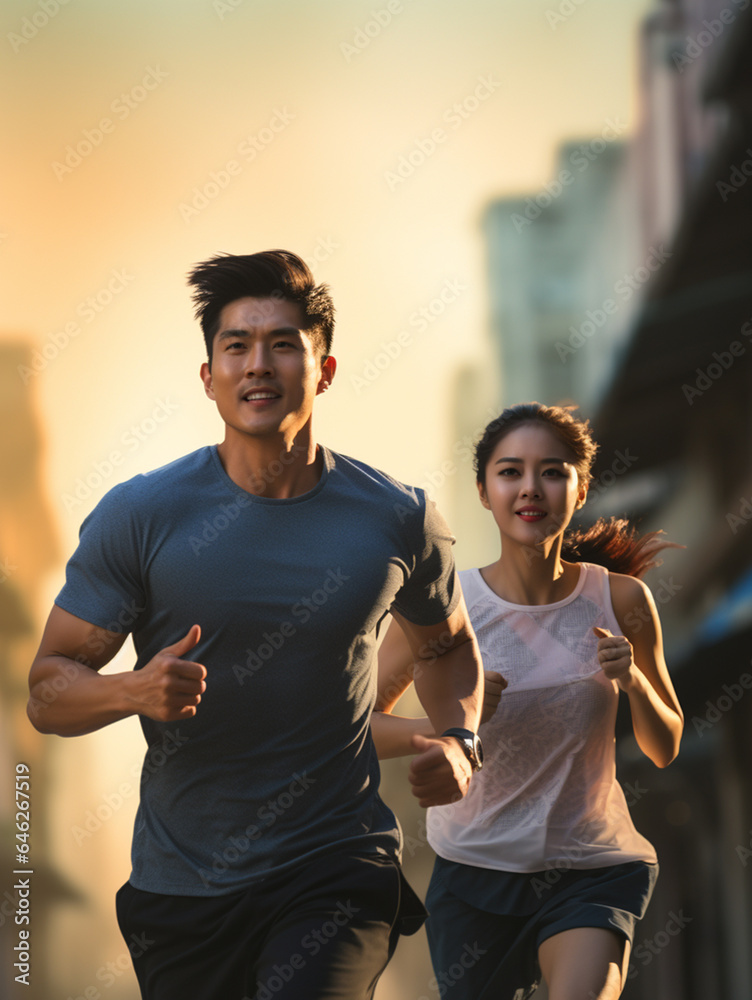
[625, 284]
[67, 881]
[558, 278]
[28, 549]
[681, 397]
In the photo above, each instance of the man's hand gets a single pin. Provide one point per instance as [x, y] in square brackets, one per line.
[168, 688]
[440, 773]
[494, 684]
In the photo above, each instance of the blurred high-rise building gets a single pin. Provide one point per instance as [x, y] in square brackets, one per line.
[625, 284]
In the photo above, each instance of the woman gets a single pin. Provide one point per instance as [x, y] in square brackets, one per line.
[539, 867]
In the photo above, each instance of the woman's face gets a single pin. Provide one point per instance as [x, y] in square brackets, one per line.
[532, 488]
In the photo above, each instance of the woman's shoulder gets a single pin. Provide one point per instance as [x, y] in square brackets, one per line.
[483, 605]
[630, 597]
[624, 585]
[471, 583]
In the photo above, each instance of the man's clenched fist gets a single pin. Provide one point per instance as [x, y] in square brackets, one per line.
[440, 772]
[169, 688]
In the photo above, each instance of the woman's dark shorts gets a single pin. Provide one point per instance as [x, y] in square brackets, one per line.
[485, 927]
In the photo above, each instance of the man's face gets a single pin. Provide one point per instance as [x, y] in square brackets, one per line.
[265, 372]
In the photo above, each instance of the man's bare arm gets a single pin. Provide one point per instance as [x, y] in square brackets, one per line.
[392, 734]
[447, 670]
[69, 697]
[448, 677]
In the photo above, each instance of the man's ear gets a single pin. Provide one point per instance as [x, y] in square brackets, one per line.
[328, 368]
[206, 378]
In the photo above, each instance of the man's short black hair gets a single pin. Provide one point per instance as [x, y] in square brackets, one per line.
[277, 274]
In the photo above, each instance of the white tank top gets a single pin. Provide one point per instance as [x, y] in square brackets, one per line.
[547, 795]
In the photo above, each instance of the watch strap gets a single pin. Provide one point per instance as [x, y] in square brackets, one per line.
[470, 743]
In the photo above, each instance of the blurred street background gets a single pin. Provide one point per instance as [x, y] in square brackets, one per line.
[549, 200]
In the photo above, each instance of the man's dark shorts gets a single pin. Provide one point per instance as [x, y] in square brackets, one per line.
[324, 931]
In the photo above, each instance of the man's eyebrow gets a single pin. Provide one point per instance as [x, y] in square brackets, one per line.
[286, 330]
[558, 461]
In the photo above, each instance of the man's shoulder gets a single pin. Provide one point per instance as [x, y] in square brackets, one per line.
[367, 478]
[167, 482]
[195, 463]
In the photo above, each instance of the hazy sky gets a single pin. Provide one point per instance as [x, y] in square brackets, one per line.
[142, 138]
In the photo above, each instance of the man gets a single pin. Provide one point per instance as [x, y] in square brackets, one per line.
[253, 576]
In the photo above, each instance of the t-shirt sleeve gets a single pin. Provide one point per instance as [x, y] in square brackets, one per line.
[431, 592]
[103, 578]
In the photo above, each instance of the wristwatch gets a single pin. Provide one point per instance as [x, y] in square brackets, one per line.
[471, 745]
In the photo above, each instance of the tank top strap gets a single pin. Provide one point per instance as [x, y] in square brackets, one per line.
[597, 588]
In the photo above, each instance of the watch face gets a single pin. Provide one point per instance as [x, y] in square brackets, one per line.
[478, 749]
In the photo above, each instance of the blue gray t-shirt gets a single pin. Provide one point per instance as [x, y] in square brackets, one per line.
[278, 764]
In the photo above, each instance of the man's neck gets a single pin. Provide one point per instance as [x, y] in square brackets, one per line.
[272, 467]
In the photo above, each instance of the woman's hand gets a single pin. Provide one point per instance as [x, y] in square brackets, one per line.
[616, 657]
